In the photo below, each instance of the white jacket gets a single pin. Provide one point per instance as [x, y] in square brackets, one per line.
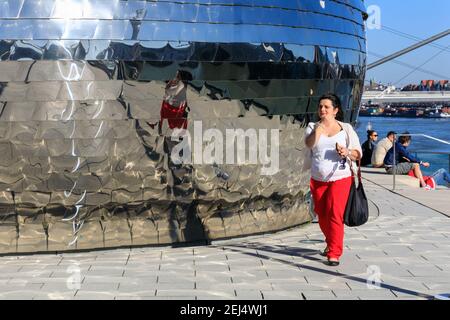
[352, 143]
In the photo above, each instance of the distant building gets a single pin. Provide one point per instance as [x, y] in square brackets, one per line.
[428, 85]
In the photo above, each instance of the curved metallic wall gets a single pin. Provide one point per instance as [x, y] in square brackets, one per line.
[83, 158]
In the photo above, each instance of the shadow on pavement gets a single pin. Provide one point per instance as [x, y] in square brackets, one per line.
[309, 254]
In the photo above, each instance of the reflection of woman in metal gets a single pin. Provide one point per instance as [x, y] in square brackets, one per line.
[174, 107]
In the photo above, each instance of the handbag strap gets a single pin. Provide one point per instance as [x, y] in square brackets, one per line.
[358, 164]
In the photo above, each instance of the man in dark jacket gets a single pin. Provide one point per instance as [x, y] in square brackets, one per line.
[404, 160]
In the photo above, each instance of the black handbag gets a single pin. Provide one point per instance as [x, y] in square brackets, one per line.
[357, 209]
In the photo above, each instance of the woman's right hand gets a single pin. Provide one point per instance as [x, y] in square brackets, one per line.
[318, 127]
[314, 136]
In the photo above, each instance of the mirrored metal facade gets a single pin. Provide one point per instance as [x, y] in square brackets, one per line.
[90, 92]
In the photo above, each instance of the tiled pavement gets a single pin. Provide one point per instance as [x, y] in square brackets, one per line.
[407, 248]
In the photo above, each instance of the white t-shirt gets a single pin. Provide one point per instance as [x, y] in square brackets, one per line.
[327, 165]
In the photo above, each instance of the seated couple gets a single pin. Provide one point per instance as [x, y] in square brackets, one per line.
[406, 163]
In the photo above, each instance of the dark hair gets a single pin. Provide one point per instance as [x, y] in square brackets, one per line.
[185, 75]
[336, 102]
[369, 133]
[391, 133]
[404, 139]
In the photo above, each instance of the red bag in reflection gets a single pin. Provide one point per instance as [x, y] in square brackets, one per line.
[176, 116]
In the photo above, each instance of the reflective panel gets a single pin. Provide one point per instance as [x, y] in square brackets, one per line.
[172, 31]
[265, 12]
[10, 9]
[92, 91]
[171, 51]
[70, 70]
[36, 8]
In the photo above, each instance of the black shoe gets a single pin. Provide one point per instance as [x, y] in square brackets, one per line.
[332, 263]
[324, 252]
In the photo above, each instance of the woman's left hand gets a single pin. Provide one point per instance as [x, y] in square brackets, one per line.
[342, 151]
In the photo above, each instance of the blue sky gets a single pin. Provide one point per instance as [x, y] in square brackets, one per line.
[419, 18]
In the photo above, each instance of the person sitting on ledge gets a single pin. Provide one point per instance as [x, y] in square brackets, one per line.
[441, 177]
[405, 161]
[368, 147]
[381, 149]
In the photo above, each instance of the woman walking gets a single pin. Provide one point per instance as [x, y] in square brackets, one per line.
[333, 144]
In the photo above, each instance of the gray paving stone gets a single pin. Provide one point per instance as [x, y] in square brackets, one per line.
[416, 260]
[429, 270]
[222, 257]
[174, 298]
[138, 290]
[27, 275]
[260, 274]
[107, 286]
[211, 285]
[175, 293]
[17, 295]
[94, 295]
[366, 294]
[177, 267]
[319, 295]
[9, 269]
[295, 287]
[213, 278]
[106, 279]
[223, 293]
[251, 280]
[176, 285]
[243, 294]
[55, 295]
[110, 272]
[139, 273]
[253, 286]
[21, 286]
[285, 274]
[212, 267]
[329, 285]
[107, 268]
[65, 274]
[163, 278]
[283, 295]
[59, 286]
[134, 287]
[393, 271]
[214, 297]
[438, 287]
[134, 297]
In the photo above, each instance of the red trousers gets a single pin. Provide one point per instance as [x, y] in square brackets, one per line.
[330, 200]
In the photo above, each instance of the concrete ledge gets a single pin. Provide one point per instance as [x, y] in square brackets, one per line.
[409, 187]
[379, 176]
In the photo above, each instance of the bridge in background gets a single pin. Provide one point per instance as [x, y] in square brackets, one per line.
[377, 97]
